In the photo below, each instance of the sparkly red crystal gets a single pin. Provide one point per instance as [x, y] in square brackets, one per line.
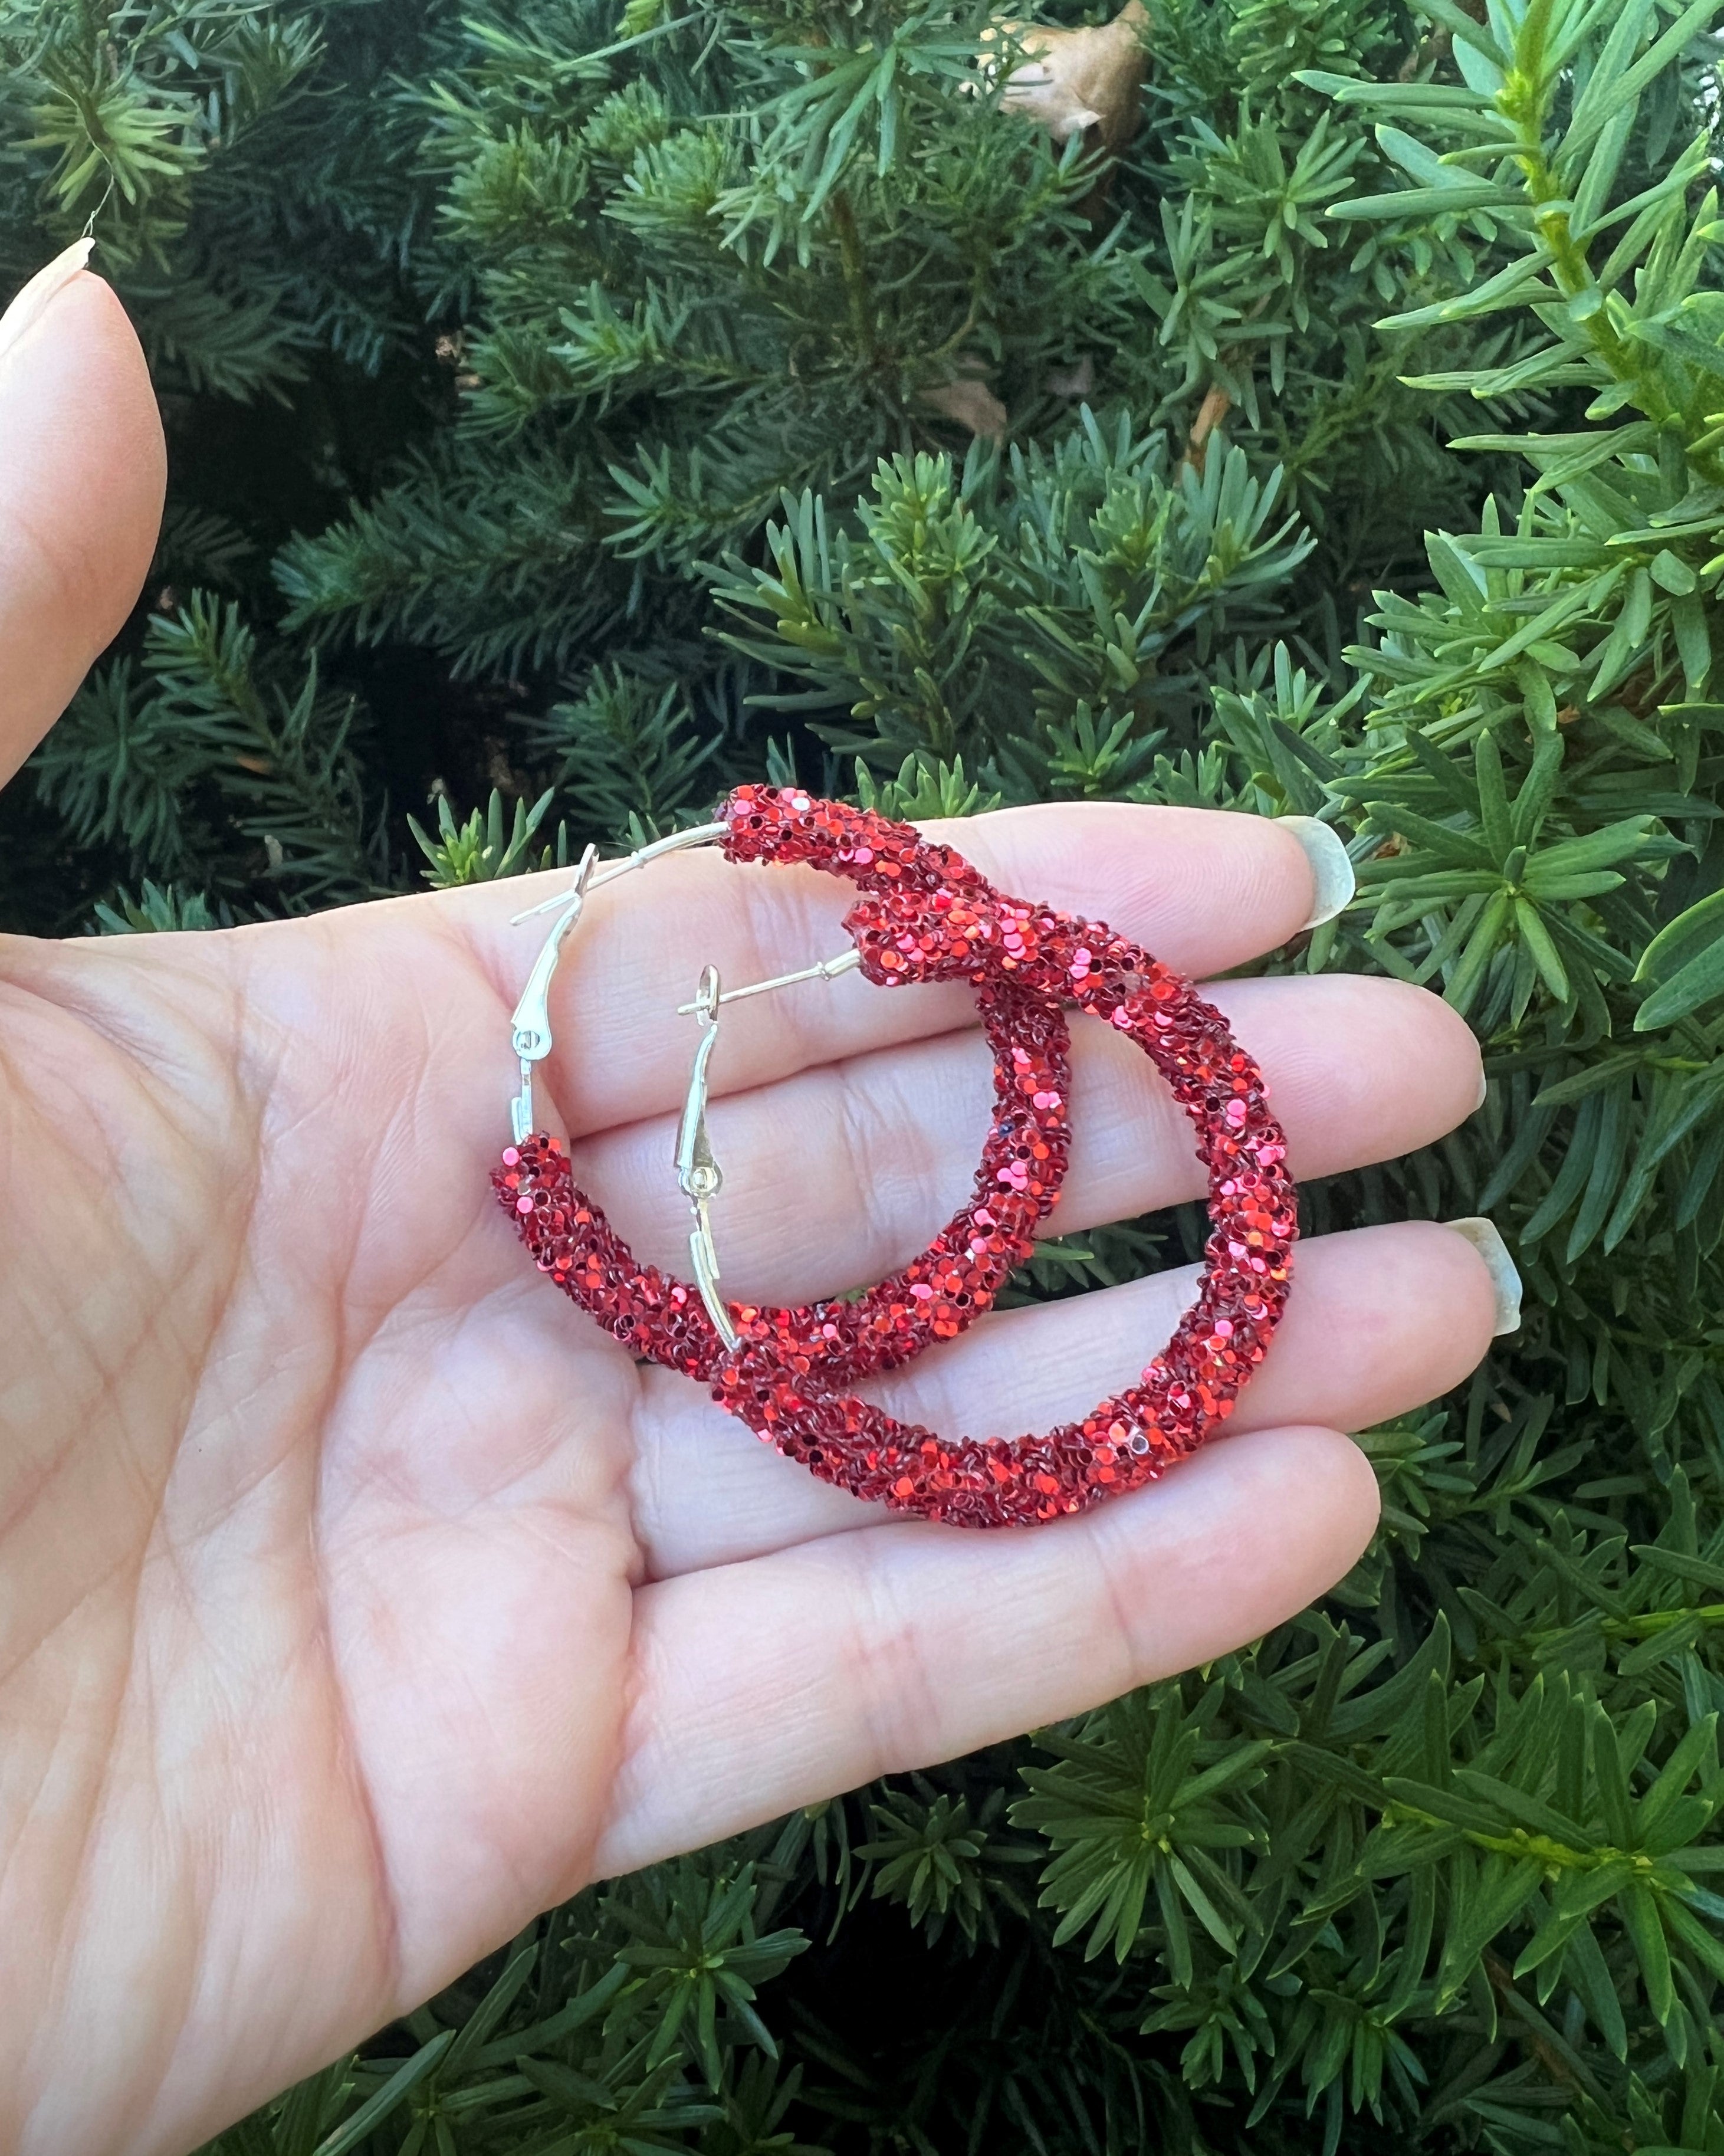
[954, 1280]
[926, 914]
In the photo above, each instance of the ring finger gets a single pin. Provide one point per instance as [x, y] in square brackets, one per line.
[1381, 1319]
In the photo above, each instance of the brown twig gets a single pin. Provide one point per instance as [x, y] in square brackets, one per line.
[1214, 408]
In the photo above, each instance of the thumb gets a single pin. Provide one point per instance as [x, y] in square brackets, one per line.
[82, 472]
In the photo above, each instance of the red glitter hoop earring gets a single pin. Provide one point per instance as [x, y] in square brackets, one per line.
[1188, 1390]
[956, 1279]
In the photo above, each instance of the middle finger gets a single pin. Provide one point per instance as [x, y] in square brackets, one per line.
[836, 1177]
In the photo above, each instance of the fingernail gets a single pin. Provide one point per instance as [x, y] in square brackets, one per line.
[1484, 1090]
[1331, 871]
[1486, 1239]
[27, 309]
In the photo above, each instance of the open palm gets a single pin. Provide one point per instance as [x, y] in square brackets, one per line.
[360, 1597]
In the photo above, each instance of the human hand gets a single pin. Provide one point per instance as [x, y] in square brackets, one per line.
[361, 1597]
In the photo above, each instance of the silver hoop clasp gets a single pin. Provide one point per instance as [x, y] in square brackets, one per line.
[697, 1171]
[530, 1025]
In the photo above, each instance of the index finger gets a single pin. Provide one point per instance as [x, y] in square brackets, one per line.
[1203, 889]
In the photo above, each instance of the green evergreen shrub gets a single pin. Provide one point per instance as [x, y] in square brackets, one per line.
[584, 411]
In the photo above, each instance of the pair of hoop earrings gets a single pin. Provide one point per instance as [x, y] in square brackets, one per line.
[926, 914]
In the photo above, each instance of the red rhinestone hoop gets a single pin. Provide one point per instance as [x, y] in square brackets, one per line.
[908, 932]
[926, 914]
[957, 1278]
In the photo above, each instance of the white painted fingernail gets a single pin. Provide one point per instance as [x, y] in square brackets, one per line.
[1487, 1240]
[27, 309]
[1331, 871]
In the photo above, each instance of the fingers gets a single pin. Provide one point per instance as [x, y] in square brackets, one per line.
[837, 1176]
[81, 480]
[1379, 1320]
[1205, 891]
[774, 1683]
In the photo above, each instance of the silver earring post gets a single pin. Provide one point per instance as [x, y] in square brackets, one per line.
[697, 1171]
[829, 969]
